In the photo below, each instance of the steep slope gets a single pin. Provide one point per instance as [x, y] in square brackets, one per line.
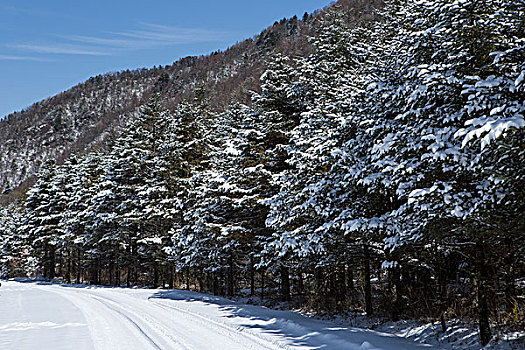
[81, 117]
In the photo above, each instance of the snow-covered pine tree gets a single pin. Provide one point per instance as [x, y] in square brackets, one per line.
[13, 262]
[228, 219]
[79, 219]
[449, 75]
[278, 108]
[130, 208]
[44, 210]
[188, 151]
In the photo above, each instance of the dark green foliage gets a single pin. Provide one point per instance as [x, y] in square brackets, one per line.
[382, 173]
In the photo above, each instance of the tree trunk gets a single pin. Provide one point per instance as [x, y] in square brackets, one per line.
[483, 310]
[341, 284]
[201, 280]
[285, 283]
[79, 265]
[129, 275]
[443, 322]
[252, 277]
[230, 276]
[215, 286]
[332, 286]
[52, 262]
[112, 272]
[318, 289]
[60, 264]
[135, 279]
[98, 272]
[350, 274]
[442, 299]
[68, 277]
[155, 275]
[221, 282]
[511, 302]
[45, 261]
[117, 267]
[396, 308]
[170, 266]
[129, 269]
[210, 281]
[368, 285]
[117, 274]
[262, 283]
[92, 271]
[300, 283]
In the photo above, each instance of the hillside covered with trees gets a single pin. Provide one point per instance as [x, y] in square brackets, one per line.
[81, 118]
[380, 170]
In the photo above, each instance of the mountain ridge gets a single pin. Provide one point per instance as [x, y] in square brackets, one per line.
[80, 118]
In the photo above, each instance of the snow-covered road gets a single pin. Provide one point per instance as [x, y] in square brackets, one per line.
[45, 316]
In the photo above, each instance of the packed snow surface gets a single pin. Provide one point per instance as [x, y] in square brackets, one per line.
[50, 316]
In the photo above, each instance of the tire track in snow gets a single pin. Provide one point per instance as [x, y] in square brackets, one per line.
[232, 333]
[239, 330]
[150, 322]
[130, 321]
[144, 320]
[121, 318]
[107, 329]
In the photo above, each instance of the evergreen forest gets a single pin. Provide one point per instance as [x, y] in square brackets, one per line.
[381, 172]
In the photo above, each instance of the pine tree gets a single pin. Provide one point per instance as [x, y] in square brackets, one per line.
[13, 262]
[44, 210]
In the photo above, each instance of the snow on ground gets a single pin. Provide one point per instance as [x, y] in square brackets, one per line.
[460, 334]
[33, 318]
[50, 316]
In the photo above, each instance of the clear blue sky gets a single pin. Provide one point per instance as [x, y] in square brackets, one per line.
[48, 46]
